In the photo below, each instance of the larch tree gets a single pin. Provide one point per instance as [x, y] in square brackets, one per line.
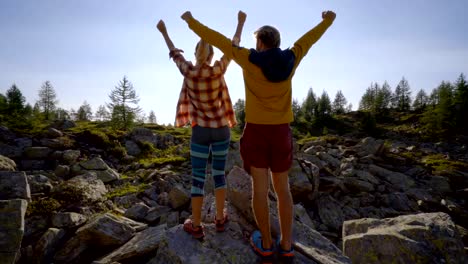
[123, 107]
[152, 117]
[402, 96]
[461, 103]
[102, 114]
[339, 103]
[84, 112]
[47, 100]
[420, 100]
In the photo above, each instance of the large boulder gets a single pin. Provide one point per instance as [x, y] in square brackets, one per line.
[11, 228]
[6, 164]
[420, 238]
[13, 185]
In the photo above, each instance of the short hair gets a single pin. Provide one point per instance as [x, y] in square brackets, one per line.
[269, 36]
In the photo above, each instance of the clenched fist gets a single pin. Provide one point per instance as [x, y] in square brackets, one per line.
[329, 15]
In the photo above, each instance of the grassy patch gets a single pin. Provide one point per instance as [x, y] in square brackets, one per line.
[149, 162]
[439, 163]
[306, 139]
[127, 189]
[42, 207]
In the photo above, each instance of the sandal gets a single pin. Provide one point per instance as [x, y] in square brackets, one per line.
[196, 232]
[220, 223]
[256, 242]
[286, 256]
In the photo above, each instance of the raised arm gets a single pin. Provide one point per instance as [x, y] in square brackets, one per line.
[240, 55]
[302, 45]
[162, 28]
[241, 16]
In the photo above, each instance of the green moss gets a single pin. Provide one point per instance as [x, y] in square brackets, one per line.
[371, 257]
[304, 140]
[147, 148]
[127, 189]
[149, 162]
[439, 163]
[42, 207]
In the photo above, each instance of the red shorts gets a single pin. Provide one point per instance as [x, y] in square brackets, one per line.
[267, 146]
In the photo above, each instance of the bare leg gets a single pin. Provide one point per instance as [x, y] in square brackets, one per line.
[285, 207]
[197, 203]
[220, 195]
[260, 186]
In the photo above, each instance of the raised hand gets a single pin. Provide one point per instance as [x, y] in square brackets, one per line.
[161, 26]
[186, 15]
[241, 16]
[329, 15]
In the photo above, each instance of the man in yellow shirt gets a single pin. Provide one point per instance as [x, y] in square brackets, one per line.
[266, 143]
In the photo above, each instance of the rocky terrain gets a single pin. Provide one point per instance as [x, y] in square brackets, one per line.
[67, 197]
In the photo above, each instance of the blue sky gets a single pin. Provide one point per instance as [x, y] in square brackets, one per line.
[85, 47]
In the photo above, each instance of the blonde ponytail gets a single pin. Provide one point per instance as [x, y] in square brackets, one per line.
[203, 52]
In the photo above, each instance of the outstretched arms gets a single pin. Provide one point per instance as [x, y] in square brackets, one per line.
[240, 55]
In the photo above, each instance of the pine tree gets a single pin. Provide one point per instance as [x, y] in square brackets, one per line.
[309, 106]
[296, 109]
[85, 112]
[3, 108]
[420, 101]
[339, 103]
[239, 110]
[439, 121]
[47, 99]
[62, 114]
[324, 107]
[402, 96]
[124, 105]
[102, 114]
[384, 98]
[461, 103]
[152, 117]
[15, 102]
[368, 99]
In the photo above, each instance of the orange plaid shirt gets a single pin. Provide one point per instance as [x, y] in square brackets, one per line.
[204, 99]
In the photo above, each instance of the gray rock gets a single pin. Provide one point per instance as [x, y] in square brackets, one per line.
[68, 220]
[108, 230]
[45, 248]
[85, 188]
[137, 211]
[330, 212]
[70, 157]
[6, 164]
[420, 238]
[13, 185]
[54, 133]
[141, 244]
[396, 179]
[37, 153]
[39, 184]
[11, 228]
[62, 171]
[178, 197]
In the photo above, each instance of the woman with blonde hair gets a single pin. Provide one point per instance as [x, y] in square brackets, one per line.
[204, 102]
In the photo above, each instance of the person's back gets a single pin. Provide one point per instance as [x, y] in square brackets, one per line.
[268, 100]
[266, 143]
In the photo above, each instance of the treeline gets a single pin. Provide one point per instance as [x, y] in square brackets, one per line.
[122, 110]
[441, 113]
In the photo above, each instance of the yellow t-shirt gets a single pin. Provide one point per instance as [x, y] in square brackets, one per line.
[266, 102]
